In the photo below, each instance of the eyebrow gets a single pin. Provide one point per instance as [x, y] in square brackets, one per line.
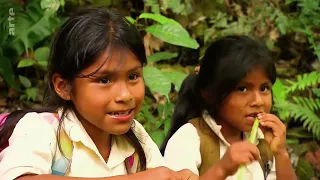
[110, 73]
[249, 83]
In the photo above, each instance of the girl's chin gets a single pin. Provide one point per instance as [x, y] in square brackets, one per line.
[120, 129]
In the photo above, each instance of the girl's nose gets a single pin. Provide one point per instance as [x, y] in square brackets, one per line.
[257, 100]
[124, 94]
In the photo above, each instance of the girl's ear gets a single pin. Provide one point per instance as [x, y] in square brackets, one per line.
[61, 86]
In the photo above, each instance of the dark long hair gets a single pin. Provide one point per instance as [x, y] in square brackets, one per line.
[225, 63]
[78, 43]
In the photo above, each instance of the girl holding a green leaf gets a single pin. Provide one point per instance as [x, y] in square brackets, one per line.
[215, 113]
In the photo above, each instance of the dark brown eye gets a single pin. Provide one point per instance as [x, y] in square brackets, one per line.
[104, 80]
[265, 88]
[242, 89]
[133, 76]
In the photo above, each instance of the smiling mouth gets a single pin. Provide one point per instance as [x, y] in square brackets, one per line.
[121, 113]
[252, 115]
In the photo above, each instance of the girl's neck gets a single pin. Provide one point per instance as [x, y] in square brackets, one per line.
[229, 132]
[101, 139]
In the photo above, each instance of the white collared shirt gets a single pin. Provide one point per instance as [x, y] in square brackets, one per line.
[183, 151]
[32, 147]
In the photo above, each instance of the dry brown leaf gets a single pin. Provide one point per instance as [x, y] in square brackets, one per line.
[3, 102]
[197, 21]
[146, 40]
[160, 99]
[13, 93]
[2, 83]
[274, 35]
[152, 43]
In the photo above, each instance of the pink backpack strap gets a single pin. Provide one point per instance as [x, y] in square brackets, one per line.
[131, 163]
[3, 118]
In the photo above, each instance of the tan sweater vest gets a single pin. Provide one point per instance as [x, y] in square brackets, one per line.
[210, 148]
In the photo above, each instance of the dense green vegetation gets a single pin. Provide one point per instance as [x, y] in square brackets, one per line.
[176, 33]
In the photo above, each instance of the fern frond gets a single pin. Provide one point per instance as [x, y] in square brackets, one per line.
[302, 111]
[316, 91]
[303, 81]
[312, 104]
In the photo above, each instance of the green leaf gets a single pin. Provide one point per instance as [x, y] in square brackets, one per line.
[26, 63]
[161, 56]
[7, 13]
[173, 35]
[179, 7]
[299, 132]
[156, 81]
[31, 93]
[145, 111]
[157, 137]
[7, 72]
[31, 27]
[25, 81]
[62, 3]
[292, 141]
[44, 64]
[159, 18]
[130, 19]
[317, 50]
[282, 23]
[278, 91]
[304, 170]
[300, 148]
[316, 91]
[176, 78]
[50, 6]
[42, 54]
[154, 4]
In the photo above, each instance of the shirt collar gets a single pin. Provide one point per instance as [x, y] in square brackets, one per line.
[120, 148]
[217, 129]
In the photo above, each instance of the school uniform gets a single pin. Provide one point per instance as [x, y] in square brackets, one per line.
[33, 149]
[183, 151]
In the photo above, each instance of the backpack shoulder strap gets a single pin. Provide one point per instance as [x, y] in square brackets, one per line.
[266, 154]
[209, 145]
[132, 163]
[63, 156]
[3, 117]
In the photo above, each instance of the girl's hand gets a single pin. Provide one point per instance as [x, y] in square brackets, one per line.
[239, 153]
[274, 132]
[164, 173]
[186, 174]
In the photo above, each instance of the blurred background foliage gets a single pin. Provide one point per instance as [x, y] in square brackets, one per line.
[176, 34]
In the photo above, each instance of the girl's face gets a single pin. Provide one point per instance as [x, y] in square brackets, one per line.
[109, 100]
[251, 96]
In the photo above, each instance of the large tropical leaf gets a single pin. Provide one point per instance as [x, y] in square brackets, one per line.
[161, 56]
[176, 78]
[156, 80]
[173, 34]
[159, 18]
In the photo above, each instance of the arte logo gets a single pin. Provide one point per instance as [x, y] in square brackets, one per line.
[11, 22]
